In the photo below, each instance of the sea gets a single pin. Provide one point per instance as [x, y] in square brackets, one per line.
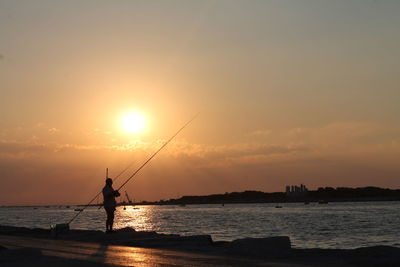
[338, 225]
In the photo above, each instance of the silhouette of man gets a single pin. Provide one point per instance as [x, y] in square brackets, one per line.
[109, 203]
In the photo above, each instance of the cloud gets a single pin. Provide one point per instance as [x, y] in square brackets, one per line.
[339, 132]
[21, 149]
[53, 130]
[202, 156]
[34, 147]
[348, 153]
[260, 133]
[337, 140]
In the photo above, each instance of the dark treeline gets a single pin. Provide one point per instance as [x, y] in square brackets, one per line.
[327, 194]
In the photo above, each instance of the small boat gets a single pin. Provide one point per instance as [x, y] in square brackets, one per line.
[78, 209]
[306, 202]
[322, 201]
[278, 207]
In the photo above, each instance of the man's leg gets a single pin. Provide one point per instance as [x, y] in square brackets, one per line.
[109, 220]
[112, 218]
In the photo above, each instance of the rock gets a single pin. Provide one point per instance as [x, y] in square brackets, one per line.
[276, 246]
[12, 230]
[20, 254]
[196, 240]
[57, 229]
[377, 251]
[173, 241]
[126, 230]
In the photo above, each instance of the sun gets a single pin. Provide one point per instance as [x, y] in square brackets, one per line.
[133, 123]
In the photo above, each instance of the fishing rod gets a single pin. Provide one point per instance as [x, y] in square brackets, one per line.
[155, 153]
[141, 167]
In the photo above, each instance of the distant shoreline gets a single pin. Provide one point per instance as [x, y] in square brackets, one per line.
[157, 203]
[322, 195]
[148, 203]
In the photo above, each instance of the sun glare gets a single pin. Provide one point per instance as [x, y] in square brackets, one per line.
[133, 123]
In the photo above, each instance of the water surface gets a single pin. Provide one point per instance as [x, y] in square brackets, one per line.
[335, 225]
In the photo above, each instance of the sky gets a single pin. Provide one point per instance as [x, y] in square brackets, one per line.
[288, 92]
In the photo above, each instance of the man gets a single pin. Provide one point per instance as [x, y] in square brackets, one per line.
[109, 203]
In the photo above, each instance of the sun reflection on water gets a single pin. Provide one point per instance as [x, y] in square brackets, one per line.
[139, 218]
[128, 256]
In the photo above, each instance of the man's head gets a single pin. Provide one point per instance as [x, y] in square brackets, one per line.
[109, 181]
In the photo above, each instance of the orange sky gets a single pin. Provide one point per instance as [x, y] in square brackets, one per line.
[289, 92]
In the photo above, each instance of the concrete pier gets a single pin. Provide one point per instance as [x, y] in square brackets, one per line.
[65, 253]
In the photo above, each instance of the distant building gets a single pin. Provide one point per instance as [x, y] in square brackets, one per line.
[296, 191]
